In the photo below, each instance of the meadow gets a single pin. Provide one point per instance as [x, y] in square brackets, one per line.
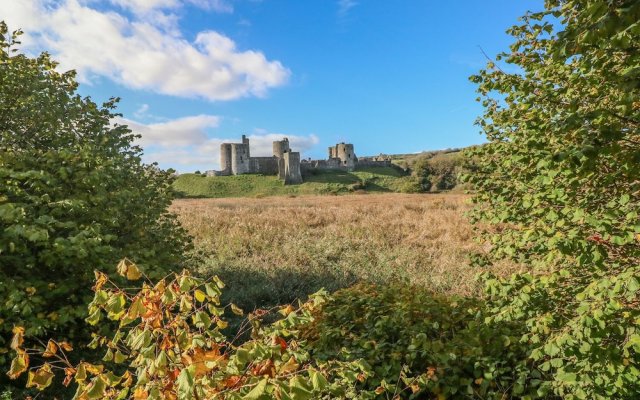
[273, 250]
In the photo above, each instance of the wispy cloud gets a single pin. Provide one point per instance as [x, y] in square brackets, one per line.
[344, 6]
[146, 6]
[190, 143]
[145, 51]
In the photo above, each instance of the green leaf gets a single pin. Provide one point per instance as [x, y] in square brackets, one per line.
[96, 388]
[318, 381]
[185, 383]
[258, 391]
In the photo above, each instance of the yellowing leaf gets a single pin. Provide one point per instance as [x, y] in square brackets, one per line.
[287, 310]
[52, 349]
[221, 324]
[18, 337]
[18, 365]
[133, 273]
[200, 296]
[96, 388]
[236, 310]
[101, 279]
[119, 357]
[128, 269]
[140, 393]
[65, 346]
[218, 282]
[81, 373]
[40, 379]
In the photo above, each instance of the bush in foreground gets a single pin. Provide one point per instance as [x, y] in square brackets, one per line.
[365, 342]
[74, 196]
[558, 191]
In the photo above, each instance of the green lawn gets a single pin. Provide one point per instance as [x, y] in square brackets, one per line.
[373, 179]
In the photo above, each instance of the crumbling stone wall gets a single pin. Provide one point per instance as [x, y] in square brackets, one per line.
[263, 165]
[292, 175]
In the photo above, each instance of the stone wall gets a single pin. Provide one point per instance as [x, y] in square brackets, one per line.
[365, 162]
[291, 161]
[263, 165]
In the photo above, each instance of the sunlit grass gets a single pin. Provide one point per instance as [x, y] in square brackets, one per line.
[276, 249]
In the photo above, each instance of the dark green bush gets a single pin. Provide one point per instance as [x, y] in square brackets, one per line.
[74, 197]
[439, 171]
[417, 344]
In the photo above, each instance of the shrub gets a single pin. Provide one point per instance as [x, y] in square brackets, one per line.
[364, 342]
[418, 345]
[558, 191]
[74, 196]
[170, 345]
[439, 171]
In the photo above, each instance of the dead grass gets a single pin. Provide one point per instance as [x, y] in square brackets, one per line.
[276, 249]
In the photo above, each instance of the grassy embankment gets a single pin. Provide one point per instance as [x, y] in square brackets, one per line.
[273, 250]
[375, 179]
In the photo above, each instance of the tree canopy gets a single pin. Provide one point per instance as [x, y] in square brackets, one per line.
[74, 197]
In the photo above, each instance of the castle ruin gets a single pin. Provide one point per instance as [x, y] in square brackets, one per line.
[235, 159]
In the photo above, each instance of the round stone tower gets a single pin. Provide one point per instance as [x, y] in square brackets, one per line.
[240, 158]
[225, 158]
[344, 151]
[280, 147]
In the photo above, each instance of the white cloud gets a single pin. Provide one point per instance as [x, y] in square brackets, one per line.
[186, 145]
[147, 52]
[344, 6]
[145, 6]
[262, 143]
[183, 131]
[141, 112]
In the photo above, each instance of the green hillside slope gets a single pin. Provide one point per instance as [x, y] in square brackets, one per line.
[375, 179]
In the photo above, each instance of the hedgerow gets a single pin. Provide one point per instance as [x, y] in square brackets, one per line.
[557, 190]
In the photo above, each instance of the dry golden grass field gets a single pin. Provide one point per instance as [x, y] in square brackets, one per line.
[275, 249]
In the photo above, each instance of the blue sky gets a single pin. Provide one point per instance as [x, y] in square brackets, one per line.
[390, 77]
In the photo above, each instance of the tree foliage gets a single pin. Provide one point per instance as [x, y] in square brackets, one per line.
[558, 191]
[365, 342]
[170, 345]
[440, 171]
[74, 196]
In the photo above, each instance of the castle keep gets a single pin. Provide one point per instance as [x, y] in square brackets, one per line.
[235, 159]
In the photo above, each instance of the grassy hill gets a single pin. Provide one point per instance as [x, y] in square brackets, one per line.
[374, 179]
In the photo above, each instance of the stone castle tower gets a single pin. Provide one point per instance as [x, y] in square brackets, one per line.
[344, 152]
[235, 157]
[288, 162]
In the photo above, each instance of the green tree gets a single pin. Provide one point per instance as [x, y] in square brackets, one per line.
[439, 171]
[74, 197]
[558, 191]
